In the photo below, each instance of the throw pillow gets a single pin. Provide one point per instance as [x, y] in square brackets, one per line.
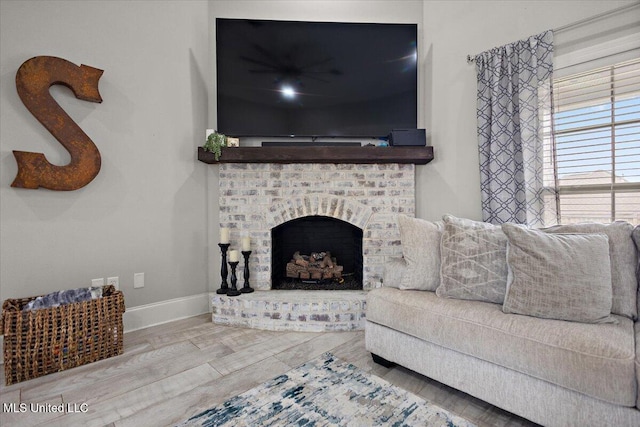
[558, 276]
[635, 235]
[636, 238]
[420, 241]
[623, 261]
[394, 270]
[473, 261]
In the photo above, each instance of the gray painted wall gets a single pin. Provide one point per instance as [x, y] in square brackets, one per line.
[153, 207]
[146, 210]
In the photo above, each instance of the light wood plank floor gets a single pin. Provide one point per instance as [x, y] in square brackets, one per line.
[170, 372]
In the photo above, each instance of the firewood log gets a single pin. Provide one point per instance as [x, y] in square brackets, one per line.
[294, 270]
[317, 266]
[326, 261]
[299, 259]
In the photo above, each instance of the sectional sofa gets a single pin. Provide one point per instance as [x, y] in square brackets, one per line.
[541, 323]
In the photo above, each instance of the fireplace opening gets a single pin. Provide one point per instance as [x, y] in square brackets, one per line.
[316, 252]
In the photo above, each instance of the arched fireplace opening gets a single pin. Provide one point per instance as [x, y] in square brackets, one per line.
[316, 252]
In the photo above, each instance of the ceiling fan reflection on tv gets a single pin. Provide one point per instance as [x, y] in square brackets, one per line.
[292, 66]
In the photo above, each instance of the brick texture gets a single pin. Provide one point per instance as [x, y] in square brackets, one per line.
[254, 198]
[305, 311]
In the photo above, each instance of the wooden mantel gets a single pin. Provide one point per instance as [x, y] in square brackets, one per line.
[419, 155]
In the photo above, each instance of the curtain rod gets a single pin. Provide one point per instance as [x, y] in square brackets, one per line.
[471, 59]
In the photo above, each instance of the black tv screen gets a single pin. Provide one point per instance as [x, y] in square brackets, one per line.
[289, 78]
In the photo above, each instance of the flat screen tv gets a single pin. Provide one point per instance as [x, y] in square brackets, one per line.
[315, 79]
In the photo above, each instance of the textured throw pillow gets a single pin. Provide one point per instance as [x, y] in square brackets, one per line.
[558, 276]
[623, 257]
[394, 271]
[420, 241]
[635, 235]
[636, 238]
[473, 261]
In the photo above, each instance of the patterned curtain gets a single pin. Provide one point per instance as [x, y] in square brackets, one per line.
[514, 89]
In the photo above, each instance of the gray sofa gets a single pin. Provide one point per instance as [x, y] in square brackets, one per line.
[550, 371]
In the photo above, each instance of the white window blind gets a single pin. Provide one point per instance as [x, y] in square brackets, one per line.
[592, 156]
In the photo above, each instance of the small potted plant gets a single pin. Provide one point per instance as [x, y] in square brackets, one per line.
[214, 144]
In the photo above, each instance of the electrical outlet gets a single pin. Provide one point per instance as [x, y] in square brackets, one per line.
[114, 281]
[97, 282]
[138, 280]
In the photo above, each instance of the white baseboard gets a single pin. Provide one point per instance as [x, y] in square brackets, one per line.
[161, 312]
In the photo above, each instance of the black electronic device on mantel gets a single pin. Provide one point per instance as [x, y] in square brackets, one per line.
[404, 137]
[315, 79]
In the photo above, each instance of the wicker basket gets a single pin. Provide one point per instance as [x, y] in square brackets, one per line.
[44, 341]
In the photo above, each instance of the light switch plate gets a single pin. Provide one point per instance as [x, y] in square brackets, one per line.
[138, 280]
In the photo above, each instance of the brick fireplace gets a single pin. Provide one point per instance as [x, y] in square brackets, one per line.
[256, 198]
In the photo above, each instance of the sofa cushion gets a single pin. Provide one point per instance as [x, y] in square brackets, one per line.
[636, 239]
[420, 241]
[637, 327]
[623, 261]
[593, 359]
[473, 261]
[635, 235]
[394, 271]
[558, 276]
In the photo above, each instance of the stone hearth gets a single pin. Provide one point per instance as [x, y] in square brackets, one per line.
[256, 197]
[307, 311]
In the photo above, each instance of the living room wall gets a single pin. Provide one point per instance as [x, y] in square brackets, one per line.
[153, 207]
[146, 210]
[453, 30]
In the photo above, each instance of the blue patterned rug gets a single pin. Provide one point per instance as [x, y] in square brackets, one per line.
[326, 392]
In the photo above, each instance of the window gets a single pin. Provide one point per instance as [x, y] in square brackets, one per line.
[592, 149]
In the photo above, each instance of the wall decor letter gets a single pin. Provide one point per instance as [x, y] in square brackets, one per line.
[33, 80]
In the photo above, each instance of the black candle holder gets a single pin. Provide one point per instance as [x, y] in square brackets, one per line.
[224, 287]
[246, 289]
[233, 291]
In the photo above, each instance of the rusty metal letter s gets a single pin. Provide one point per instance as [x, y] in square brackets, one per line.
[33, 80]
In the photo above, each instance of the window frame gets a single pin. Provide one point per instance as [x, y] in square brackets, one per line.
[551, 168]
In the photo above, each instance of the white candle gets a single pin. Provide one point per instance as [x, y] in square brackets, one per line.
[224, 235]
[233, 256]
[246, 244]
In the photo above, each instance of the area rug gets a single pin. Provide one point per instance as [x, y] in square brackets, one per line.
[326, 392]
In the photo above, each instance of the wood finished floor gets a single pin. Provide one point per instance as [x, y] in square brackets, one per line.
[173, 371]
